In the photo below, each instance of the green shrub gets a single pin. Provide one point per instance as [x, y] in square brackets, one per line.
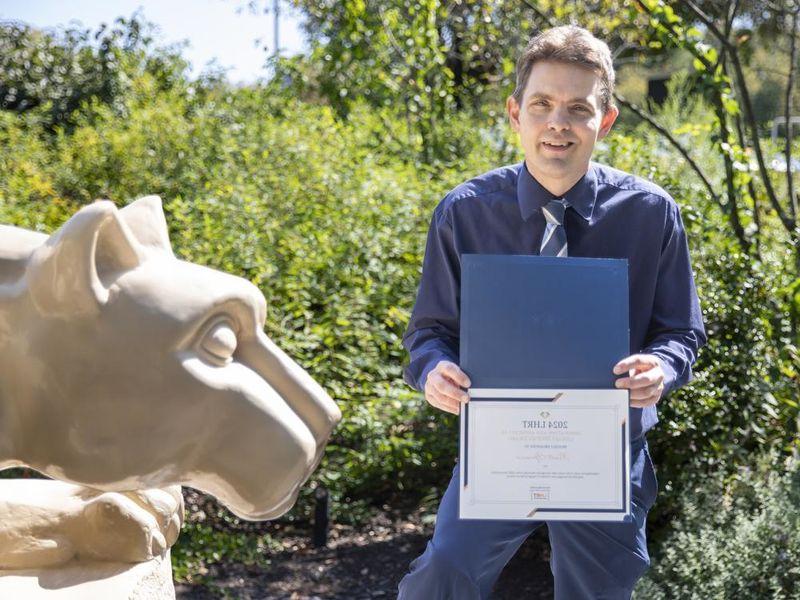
[736, 537]
[328, 218]
[745, 392]
[57, 70]
[319, 213]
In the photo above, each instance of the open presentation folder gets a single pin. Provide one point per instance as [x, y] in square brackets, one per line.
[545, 435]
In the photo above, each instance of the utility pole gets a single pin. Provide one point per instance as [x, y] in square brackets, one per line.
[276, 11]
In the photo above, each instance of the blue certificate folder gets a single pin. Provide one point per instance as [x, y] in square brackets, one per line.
[543, 322]
[539, 339]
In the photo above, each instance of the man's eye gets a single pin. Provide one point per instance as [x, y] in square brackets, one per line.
[580, 108]
[220, 342]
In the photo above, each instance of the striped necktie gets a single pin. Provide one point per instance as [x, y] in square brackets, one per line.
[554, 242]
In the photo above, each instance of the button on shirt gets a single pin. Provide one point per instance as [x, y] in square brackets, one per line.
[611, 214]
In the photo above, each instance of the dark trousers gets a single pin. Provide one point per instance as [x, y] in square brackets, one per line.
[589, 560]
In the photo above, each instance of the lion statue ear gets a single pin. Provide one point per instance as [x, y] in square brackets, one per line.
[145, 218]
[71, 273]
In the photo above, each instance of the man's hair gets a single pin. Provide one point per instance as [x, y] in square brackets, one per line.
[572, 45]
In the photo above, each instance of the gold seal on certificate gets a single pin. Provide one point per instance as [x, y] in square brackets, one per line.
[545, 454]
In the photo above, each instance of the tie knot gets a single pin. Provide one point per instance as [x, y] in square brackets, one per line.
[554, 211]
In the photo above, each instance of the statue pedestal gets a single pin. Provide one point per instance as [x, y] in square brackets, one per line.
[150, 580]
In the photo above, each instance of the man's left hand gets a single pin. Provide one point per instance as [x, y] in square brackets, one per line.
[645, 379]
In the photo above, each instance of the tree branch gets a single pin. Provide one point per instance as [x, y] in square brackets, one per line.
[672, 140]
[733, 8]
[677, 36]
[787, 149]
[709, 22]
[733, 53]
[751, 189]
[732, 207]
[542, 15]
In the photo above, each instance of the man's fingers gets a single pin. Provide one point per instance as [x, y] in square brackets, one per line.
[445, 388]
[636, 361]
[449, 406]
[644, 397]
[640, 380]
[645, 393]
[645, 384]
[453, 371]
[645, 402]
[441, 401]
[642, 403]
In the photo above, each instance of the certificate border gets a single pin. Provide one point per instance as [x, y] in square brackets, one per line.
[533, 395]
[615, 505]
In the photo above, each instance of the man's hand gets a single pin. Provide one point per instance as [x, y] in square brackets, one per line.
[645, 379]
[444, 387]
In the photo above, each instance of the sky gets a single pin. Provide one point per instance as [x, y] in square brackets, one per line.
[214, 28]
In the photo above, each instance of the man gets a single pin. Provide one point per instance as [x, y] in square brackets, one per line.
[556, 203]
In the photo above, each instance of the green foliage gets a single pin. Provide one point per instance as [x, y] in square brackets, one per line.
[28, 197]
[325, 216]
[745, 393]
[324, 205]
[201, 544]
[737, 537]
[430, 58]
[59, 70]
[321, 214]
[711, 80]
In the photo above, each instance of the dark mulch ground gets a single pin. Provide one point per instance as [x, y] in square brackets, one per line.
[360, 564]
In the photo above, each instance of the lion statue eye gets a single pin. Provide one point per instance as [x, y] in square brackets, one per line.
[220, 342]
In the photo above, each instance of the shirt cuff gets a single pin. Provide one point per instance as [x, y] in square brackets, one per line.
[670, 374]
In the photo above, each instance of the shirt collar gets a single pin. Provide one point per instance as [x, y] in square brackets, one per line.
[532, 196]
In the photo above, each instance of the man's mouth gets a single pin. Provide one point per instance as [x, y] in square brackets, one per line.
[557, 146]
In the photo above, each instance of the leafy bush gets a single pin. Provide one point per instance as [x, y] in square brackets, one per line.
[737, 537]
[744, 396]
[58, 70]
[327, 216]
[319, 213]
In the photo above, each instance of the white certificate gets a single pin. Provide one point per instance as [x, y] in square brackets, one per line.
[545, 455]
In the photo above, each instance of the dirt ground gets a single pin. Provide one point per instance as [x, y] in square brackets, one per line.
[361, 564]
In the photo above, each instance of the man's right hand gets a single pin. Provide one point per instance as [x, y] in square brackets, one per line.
[444, 387]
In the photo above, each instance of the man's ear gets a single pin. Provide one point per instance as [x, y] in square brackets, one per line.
[512, 110]
[607, 121]
[70, 274]
[145, 218]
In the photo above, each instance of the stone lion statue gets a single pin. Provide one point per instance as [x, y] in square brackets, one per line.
[124, 370]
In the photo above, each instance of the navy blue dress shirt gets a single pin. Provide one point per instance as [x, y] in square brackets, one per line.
[611, 214]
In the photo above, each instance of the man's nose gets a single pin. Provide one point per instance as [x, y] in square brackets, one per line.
[559, 119]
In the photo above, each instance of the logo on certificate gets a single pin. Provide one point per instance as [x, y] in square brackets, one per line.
[540, 493]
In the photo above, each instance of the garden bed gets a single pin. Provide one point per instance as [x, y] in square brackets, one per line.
[359, 563]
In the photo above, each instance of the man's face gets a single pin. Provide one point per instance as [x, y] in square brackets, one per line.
[559, 121]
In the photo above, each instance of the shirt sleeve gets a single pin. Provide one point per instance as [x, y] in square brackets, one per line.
[676, 331]
[433, 330]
